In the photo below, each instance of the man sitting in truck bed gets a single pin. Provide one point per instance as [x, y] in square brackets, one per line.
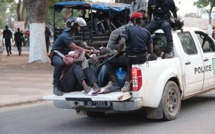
[138, 42]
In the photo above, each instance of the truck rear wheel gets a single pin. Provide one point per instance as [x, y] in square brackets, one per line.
[171, 101]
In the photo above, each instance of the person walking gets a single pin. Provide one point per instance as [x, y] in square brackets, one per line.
[213, 33]
[47, 36]
[7, 35]
[18, 38]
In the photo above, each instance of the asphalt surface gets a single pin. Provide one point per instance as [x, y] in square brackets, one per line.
[23, 82]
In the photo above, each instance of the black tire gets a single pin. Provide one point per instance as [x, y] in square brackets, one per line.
[95, 114]
[171, 101]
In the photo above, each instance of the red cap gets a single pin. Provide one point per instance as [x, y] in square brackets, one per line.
[136, 15]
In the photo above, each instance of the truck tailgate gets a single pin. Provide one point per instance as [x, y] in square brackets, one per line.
[79, 96]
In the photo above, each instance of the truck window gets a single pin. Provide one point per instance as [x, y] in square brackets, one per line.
[188, 43]
[159, 40]
[206, 42]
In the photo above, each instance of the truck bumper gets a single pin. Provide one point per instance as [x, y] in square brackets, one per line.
[129, 105]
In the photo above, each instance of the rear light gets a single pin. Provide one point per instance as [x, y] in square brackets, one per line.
[136, 79]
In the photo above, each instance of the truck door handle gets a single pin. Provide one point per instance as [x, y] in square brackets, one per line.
[205, 59]
[187, 63]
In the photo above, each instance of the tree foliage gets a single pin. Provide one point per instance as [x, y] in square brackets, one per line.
[205, 3]
[7, 12]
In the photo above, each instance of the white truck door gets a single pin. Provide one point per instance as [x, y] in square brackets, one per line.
[208, 49]
[192, 64]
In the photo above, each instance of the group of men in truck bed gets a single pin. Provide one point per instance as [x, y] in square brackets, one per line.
[133, 45]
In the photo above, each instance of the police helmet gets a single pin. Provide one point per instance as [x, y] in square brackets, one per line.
[74, 20]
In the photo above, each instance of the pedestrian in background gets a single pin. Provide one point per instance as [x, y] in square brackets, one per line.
[137, 5]
[47, 35]
[18, 38]
[7, 35]
[213, 33]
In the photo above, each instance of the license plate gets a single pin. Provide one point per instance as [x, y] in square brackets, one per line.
[97, 103]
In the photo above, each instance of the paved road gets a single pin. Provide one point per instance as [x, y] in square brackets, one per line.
[196, 117]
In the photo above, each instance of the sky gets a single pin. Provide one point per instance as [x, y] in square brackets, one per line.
[185, 6]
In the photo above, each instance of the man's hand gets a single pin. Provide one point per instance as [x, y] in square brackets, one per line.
[121, 44]
[95, 51]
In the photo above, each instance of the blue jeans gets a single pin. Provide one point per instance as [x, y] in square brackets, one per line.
[166, 27]
[103, 76]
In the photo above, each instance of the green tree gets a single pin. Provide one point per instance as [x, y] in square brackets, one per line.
[7, 12]
[206, 3]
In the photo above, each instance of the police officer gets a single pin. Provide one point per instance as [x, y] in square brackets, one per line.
[160, 9]
[18, 37]
[7, 35]
[65, 43]
[138, 44]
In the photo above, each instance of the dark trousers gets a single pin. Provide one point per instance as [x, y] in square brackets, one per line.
[47, 45]
[74, 75]
[114, 64]
[125, 61]
[8, 45]
[73, 78]
[136, 58]
[19, 46]
[166, 27]
[58, 67]
[97, 26]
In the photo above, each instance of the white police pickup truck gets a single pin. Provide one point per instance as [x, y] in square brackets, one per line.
[160, 85]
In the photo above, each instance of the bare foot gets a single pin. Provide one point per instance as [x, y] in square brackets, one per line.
[96, 90]
[87, 90]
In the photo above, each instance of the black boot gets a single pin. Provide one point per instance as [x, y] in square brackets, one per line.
[56, 90]
[170, 51]
[115, 86]
[169, 55]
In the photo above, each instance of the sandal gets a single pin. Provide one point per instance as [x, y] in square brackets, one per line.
[103, 91]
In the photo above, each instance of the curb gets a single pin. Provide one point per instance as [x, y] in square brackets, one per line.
[22, 102]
